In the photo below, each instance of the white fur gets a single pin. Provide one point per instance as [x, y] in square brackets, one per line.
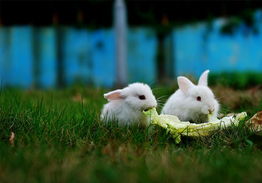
[184, 104]
[125, 106]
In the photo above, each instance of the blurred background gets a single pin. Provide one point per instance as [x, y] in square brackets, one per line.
[105, 43]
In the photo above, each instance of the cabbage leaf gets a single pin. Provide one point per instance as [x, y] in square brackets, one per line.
[179, 128]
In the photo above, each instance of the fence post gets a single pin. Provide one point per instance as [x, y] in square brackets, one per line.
[60, 55]
[120, 24]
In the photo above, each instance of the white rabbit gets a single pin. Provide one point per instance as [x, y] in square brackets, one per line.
[192, 102]
[126, 105]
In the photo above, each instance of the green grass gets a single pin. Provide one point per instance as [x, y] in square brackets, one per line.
[59, 138]
[237, 80]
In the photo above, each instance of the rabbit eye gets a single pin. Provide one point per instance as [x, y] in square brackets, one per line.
[198, 98]
[142, 97]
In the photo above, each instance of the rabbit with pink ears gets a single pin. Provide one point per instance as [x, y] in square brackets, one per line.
[192, 102]
[126, 105]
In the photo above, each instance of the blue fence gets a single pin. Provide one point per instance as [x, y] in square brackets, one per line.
[203, 46]
[32, 56]
[46, 58]
[29, 56]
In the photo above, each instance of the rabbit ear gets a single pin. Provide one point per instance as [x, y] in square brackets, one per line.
[203, 78]
[114, 95]
[184, 83]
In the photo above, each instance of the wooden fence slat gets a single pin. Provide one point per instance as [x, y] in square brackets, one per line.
[4, 55]
[77, 56]
[47, 57]
[169, 67]
[21, 57]
[142, 45]
[222, 50]
[188, 49]
[103, 58]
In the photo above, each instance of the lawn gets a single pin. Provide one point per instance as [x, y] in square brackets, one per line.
[59, 138]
